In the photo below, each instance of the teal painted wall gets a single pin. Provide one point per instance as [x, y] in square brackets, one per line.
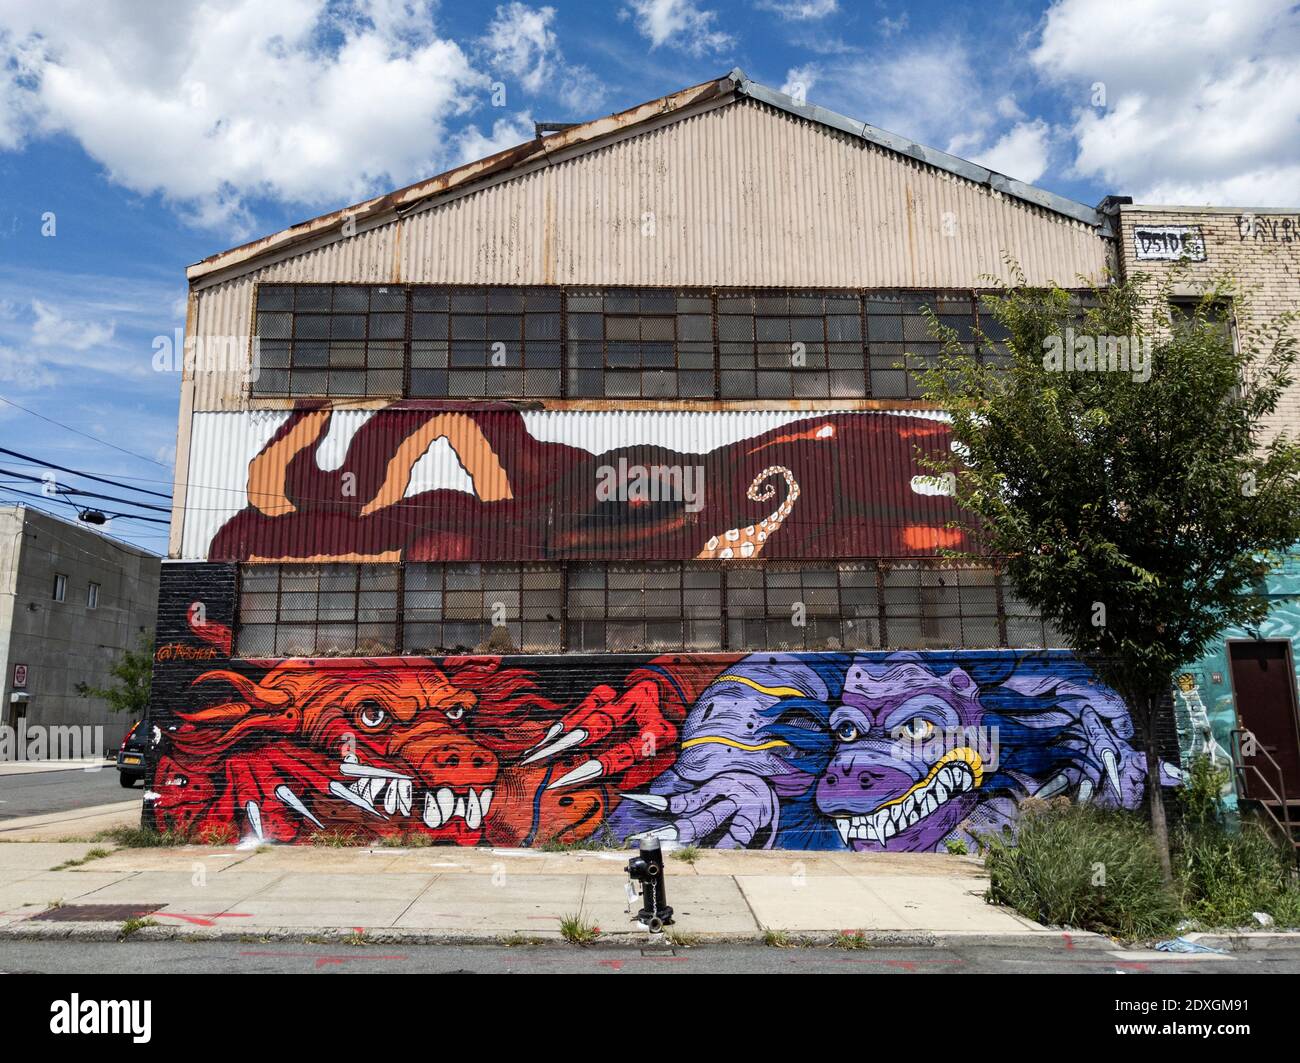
[1203, 705]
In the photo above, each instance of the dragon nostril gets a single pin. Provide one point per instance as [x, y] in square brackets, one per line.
[453, 761]
[480, 762]
[832, 780]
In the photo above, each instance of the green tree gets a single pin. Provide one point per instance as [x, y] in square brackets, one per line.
[133, 674]
[1137, 510]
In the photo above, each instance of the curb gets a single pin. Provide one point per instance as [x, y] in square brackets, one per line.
[39, 930]
[1248, 940]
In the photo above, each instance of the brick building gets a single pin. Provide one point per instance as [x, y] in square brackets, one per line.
[1249, 678]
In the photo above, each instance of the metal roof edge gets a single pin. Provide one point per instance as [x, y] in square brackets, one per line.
[901, 145]
[380, 209]
[1191, 208]
[391, 204]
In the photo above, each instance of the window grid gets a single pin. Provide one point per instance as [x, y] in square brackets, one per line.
[347, 340]
[353, 340]
[435, 608]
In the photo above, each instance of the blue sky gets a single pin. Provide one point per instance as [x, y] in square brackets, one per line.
[137, 137]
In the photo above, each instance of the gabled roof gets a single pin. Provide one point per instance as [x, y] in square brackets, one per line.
[588, 135]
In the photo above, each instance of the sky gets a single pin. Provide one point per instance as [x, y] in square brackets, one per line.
[137, 137]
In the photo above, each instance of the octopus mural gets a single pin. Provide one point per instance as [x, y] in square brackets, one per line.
[875, 751]
[422, 482]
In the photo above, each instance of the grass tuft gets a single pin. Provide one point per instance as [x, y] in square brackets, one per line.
[131, 926]
[576, 930]
[94, 854]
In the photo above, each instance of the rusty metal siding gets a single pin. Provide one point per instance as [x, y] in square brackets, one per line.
[742, 195]
[386, 485]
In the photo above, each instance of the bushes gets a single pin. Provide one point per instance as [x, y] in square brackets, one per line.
[1081, 866]
[1097, 869]
[1228, 871]
[1226, 877]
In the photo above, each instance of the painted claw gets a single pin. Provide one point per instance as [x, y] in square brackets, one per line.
[1112, 769]
[590, 769]
[1085, 790]
[1053, 786]
[254, 818]
[659, 804]
[668, 834]
[291, 799]
[571, 739]
[344, 794]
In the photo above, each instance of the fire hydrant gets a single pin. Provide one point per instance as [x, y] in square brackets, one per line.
[647, 870]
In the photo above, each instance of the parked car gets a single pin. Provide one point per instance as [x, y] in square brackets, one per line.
[130, 756]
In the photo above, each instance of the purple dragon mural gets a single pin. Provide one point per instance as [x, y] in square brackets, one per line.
[902, 751]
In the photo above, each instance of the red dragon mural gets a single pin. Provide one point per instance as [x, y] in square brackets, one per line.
[389, 748]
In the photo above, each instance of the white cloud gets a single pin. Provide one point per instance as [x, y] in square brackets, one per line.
[24, 371]
[470, 144]
[890, 26]
[216, 104]
[799, 80]
[929, 91]
[799, 10]
[521, 44]
[1020, 153]
[52, 329]
[1201, 99]
[679, 24]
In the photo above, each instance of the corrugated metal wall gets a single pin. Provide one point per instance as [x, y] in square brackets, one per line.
[740, 195]
[424, 483]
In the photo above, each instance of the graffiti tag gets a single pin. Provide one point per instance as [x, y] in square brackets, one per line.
[1169, 243]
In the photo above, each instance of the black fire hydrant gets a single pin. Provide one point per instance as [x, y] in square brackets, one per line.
[647, 870]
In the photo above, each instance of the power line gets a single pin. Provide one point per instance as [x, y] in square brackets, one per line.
[83, 475]
[89, 494]
[78, 431]
[68, 501]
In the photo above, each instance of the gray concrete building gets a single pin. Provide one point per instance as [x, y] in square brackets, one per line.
[71, 601]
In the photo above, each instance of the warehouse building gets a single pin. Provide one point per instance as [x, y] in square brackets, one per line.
[577, 492]
[1247, 681]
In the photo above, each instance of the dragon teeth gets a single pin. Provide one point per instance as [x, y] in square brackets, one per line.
[884, 823]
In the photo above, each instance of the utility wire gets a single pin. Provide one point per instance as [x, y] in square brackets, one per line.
[68, 501]
[88, 494]
[83, 475]
[78, 431]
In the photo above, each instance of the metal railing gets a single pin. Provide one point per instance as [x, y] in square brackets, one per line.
[1277, 794]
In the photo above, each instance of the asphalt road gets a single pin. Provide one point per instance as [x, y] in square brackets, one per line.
[37, 792]
[259, 957]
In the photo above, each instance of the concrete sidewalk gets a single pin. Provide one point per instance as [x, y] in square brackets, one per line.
[36, 767]
[73, 822]
[451, 894]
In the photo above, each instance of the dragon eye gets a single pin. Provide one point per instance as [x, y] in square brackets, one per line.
[456, 713]
[846, 732]
[917, 729]
[371, 714]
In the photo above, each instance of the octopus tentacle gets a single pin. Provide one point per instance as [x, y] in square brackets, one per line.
[747, 542]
